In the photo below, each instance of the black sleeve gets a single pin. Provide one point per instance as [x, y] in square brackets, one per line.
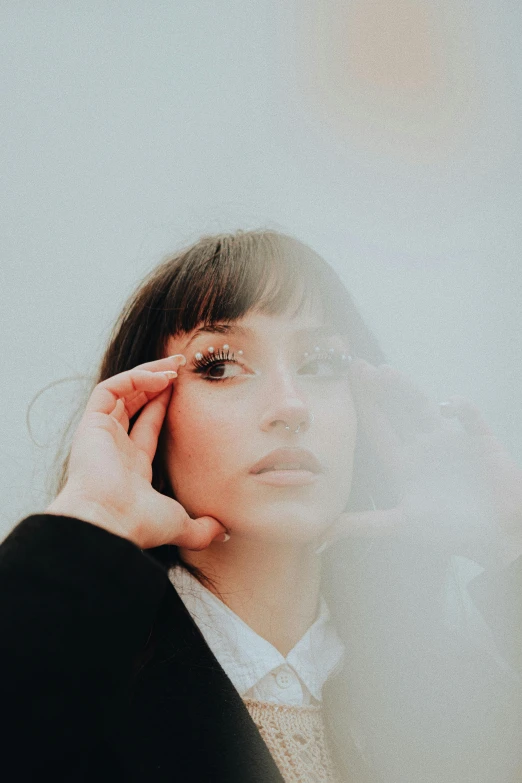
[77, 605]
[498, 597]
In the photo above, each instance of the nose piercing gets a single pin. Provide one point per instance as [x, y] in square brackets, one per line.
[287, 426]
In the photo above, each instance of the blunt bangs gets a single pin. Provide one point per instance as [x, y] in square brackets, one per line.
[221, 279]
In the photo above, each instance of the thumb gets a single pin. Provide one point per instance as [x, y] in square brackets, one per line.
[199, 533]
[380, 523]
[468, 414]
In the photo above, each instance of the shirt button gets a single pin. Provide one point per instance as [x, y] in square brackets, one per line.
[284, 678]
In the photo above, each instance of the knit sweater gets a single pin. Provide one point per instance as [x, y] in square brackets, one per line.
[296, 738]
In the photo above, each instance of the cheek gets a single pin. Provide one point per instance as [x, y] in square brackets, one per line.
[337, 410]
[200, 441]
[340, 432]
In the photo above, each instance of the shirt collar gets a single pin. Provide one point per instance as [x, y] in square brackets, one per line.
[244, 655]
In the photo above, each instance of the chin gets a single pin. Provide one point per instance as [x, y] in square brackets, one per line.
[298, 526]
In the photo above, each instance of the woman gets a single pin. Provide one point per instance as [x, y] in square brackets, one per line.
[242, 577]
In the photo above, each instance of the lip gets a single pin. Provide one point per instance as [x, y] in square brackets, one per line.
[308, 471]
[286, 478]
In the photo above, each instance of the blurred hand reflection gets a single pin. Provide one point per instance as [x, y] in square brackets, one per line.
[460, 490]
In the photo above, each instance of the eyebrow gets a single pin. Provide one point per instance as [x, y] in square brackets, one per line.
[219, 329]
[243, 331]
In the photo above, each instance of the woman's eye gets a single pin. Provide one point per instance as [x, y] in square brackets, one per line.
[323, 365]
[219, 366]
[220, 371]
[224, 366]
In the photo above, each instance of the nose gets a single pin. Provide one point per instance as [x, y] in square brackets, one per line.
[287, 408]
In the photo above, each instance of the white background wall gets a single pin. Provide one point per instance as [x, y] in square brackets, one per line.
[385, 134]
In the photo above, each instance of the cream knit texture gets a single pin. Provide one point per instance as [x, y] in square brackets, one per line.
[296, 738]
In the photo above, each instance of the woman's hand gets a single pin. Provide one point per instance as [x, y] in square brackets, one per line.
[460, 489]
[110, 469]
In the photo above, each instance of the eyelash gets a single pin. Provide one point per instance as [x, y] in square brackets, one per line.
[333, 359]
[208, 361]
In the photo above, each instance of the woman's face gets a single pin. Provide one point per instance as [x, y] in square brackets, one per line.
[260, 431]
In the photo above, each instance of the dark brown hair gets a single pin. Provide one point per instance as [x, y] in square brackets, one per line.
[221, 278]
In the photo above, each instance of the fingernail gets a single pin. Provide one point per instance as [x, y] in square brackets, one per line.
[222, 537]
[170, 374]
[178, 356]
[322, 547]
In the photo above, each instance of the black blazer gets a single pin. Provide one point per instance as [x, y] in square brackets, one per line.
[105, 676]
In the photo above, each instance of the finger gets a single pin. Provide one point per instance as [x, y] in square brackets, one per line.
[136, 403]
[127, 385]
[468, 414]
[119, 411]
[199, 533]
[147, 428]
[166, 363]
[181, 530]
[381, 523]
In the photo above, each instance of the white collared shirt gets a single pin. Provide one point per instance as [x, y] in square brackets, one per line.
[256, 668]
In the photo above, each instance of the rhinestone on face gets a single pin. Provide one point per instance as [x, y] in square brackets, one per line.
[240, 353]
[211, 349]
[199, 356]
[226, 347]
